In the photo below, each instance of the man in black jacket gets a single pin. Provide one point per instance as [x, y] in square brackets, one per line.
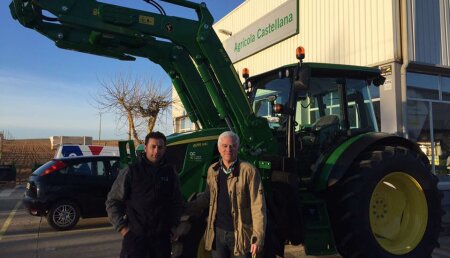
[145, 202]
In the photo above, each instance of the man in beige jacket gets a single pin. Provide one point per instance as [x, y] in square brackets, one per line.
[237, 210]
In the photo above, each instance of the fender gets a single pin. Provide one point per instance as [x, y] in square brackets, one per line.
[338, 161]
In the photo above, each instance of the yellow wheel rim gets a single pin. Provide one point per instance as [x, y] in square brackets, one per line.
[398, 213]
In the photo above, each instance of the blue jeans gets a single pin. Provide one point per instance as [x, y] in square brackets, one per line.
[224, 245]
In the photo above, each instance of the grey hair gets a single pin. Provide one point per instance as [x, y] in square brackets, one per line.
[231, 134]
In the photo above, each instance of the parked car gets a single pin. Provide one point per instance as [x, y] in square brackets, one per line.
[65, 189]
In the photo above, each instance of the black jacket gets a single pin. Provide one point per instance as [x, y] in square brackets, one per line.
[145, 198]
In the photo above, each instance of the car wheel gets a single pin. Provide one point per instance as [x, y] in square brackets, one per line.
[63, 215]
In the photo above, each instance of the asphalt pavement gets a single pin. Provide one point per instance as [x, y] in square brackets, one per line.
[25, 236]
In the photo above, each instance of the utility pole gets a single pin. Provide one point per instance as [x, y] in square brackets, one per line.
[1, 144]
[100, 128]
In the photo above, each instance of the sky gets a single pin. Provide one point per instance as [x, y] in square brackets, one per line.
[46, 91]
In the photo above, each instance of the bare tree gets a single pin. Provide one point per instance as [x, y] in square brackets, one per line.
[120, 93]
[138, 101]
[152, 101]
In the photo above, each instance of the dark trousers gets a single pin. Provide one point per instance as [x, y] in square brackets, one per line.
[136, 246]
[224, 245]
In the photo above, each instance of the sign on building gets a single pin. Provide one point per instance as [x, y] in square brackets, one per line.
[272, 28]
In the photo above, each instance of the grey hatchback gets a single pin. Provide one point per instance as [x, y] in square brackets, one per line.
[65, 189]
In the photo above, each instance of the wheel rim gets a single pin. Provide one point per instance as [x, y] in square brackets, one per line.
[64, 215]
[398, 213]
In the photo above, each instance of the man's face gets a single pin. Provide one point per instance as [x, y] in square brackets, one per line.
[155, 150]
[228, 149]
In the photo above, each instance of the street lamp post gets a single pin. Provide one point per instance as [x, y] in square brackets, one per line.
[100, 128]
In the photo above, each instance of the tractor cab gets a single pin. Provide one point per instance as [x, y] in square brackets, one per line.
[313, 107]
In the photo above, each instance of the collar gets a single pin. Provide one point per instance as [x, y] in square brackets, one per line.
[233, 169]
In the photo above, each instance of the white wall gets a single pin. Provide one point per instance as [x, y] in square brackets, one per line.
[358, 32]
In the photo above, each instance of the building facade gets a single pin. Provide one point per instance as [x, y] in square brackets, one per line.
[409, 40]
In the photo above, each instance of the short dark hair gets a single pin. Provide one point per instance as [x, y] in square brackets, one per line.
[155, 135]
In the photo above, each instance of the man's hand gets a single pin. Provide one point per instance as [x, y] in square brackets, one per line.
[123, 231]
[174, 235]
[254, 249]
[181, 230]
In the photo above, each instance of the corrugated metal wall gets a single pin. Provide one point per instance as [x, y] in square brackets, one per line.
[359, 32]
[429, 27]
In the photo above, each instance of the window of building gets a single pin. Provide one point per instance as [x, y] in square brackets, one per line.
[418, 121]
[433, 138]
[441, 135]
[429, 99]
[422, 86]
[445, 87]
[183, 124]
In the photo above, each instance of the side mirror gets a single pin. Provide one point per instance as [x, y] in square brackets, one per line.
[379, 81]
[271, 98]
[301, 80]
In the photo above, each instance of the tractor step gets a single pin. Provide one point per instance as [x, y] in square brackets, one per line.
[318, 235]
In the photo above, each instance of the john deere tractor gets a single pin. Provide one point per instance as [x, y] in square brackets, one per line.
[333, 182]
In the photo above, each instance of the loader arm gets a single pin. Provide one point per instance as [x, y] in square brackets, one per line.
[128, 31]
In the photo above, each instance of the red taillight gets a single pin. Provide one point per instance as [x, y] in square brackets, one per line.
[55, 167]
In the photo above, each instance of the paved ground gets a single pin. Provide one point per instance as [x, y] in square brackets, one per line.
[442, 252]
[25, 236]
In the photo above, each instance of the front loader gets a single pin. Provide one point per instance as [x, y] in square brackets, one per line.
[333, 182]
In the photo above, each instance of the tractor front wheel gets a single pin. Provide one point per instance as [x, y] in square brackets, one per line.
[387, 206]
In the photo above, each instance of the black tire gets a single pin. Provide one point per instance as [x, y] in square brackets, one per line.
[63, 215]
[373, 209]
[190, 243]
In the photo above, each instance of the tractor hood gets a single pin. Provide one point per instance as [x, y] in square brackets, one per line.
[197, 136]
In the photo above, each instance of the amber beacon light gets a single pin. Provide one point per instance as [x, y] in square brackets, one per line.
[300, 53]
[245, 73]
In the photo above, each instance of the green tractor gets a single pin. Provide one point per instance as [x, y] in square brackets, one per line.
[333, 182]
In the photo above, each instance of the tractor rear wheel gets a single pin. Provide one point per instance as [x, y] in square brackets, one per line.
[191, 243]
[387, 206]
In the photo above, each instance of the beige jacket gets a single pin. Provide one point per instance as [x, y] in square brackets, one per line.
[248, 207]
